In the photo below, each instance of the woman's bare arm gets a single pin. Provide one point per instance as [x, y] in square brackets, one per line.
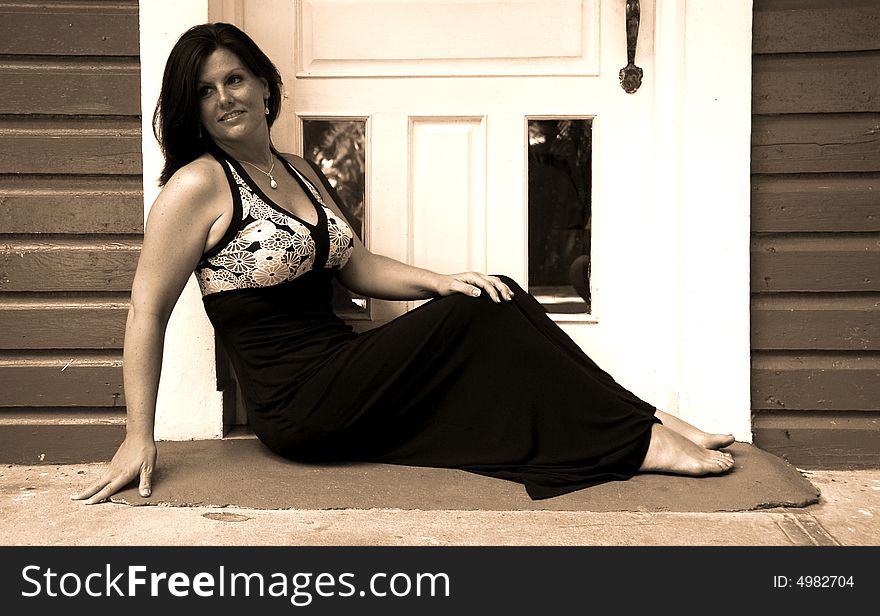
[188, 213]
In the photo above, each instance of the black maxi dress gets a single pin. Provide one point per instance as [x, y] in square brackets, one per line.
[460, 382]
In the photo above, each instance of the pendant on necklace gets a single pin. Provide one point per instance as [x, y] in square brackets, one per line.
[272, 182]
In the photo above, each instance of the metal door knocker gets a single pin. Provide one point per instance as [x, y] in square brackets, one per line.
[631, 75]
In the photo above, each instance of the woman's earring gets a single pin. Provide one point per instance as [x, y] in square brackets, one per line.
[266, 103]
[200, 130]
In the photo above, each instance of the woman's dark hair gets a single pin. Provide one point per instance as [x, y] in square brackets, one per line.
[176, 118]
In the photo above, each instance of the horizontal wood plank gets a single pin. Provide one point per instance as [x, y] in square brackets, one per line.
[70, 88]
[64, 265]
[56, 151]
[88, 29]
[816, 83]
[825, 440]
[59, 444]
[63, 381]
[821, 203]
[821, 382]
[816, 143]
[807, 322]
[79, 416]
[58, 323]
[797, 26]
[72, 205]
[826, 263]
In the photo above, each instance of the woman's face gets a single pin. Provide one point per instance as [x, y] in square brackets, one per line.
[231, 99]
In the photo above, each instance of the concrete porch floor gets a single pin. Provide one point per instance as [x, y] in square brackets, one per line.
[35, 509]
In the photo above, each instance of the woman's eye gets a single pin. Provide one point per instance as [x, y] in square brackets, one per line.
[204, 91]
[235, 79]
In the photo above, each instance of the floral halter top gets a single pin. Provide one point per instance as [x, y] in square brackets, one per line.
[265, 244]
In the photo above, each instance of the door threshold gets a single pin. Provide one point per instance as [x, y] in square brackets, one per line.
[239, 432]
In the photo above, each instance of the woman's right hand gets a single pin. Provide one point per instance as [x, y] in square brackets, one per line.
[135, 458]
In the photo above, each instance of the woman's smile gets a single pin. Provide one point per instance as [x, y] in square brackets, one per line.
[232, 115]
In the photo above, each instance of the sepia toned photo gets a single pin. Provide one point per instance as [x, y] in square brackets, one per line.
[439, 273]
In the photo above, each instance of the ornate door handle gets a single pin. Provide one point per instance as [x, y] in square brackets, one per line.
[631, 75]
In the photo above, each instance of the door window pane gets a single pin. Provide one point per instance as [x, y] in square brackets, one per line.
[559, 168]
[337, 146]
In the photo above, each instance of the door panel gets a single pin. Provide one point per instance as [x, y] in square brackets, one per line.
[448, 196]
[373, 38]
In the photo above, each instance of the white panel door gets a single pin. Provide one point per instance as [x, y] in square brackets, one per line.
[446, 88]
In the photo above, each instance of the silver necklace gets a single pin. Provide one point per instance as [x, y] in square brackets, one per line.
[272, 183]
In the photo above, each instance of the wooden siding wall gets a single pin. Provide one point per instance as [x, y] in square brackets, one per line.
[71, 219]
[816, 231]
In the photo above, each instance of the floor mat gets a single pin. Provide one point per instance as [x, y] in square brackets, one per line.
[243, 473]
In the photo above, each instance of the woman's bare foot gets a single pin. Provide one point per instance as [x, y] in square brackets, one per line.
[703, 439]
[670, 452]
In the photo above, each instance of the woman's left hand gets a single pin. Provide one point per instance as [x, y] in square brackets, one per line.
[474, 283]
